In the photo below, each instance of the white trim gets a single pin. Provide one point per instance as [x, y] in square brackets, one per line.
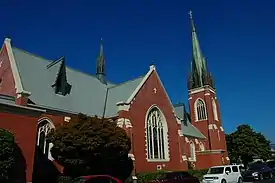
[14, 69]
[210, 126]
[186, 140]
[221, 128]
[201, 146]
[165, 133]
[196, 111]
[121, 106]
[200, 89]
[67, 119]
[196, 141]
[48, 120]
[124, 121]
[51, 126]
[215, 111]
[129, 100]
[207, 94]
[215, 126]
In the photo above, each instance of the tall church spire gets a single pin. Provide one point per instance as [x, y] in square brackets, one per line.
[100, 65]
[199, 75]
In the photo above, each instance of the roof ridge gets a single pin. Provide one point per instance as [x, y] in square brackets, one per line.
[125, 82]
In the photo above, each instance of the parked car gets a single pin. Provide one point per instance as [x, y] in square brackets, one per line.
[257, 171]
[96, 179]
[271, 165]
[176, 177]
[224, 174]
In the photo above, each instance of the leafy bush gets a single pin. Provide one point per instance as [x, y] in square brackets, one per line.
[90, 146]
[198, 173]
[147, 177]
[7, 146]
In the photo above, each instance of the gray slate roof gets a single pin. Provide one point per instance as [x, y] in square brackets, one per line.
[187, 129]
[87, 94]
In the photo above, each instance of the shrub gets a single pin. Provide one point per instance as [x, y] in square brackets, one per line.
[147, 177]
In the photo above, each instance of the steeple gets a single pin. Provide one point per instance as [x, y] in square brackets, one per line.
[100, 65]
[199, 75]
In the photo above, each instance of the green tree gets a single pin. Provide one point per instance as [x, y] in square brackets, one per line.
[90, 145]
[245, 143]
[7, 160]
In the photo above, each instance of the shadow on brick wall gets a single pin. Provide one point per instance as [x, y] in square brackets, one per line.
[44, 170]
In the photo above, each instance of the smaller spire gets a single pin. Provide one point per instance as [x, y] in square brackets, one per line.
[100, 65]
[192, 21]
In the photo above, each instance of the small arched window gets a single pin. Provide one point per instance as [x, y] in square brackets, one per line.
[215, 112]
[200, 109]
[156, 135]
[192, 151]
[43, 129]
[201, 146]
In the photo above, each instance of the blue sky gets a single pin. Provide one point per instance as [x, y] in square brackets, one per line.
[237, 38]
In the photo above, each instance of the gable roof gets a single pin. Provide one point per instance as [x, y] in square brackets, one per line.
[87, 94]
[187, 129]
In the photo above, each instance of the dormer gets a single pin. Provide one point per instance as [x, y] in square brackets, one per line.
[61, 85]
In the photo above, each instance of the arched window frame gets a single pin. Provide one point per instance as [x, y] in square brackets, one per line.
[200, 110]
[162, 145]
[201, 145]
[192, 151]
[44, 125]
[215, 112]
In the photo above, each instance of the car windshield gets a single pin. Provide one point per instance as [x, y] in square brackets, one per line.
[271, 164]
[215, 170]
[258, 167]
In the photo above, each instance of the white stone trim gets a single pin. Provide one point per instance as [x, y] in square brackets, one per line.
[215, 126]
[132, 156]
[152, 68]
[227, 158]
[186, 140]
[121, 106]
[200, 89]
[196, 111]
[207, 94]
[180, 134]
[166, 136]
[190, 98]
[221, 128]
[184, 158]
[178, 120]
[215, 110]
[67, 119]
[14, 69]
[196, 141]
[38, 135]
[210, 127]
[128, 123]
[124, 121]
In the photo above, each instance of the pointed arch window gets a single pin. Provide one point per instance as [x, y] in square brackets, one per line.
[215, 112]
[43, 129]
[192, 151]
[156, 136]
[201, 146]
[200, 110]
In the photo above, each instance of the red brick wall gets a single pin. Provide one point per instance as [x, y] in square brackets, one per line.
[143, 101]
[7, 86]
[24, 129]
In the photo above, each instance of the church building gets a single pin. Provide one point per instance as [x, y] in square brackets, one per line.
[36, 94]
